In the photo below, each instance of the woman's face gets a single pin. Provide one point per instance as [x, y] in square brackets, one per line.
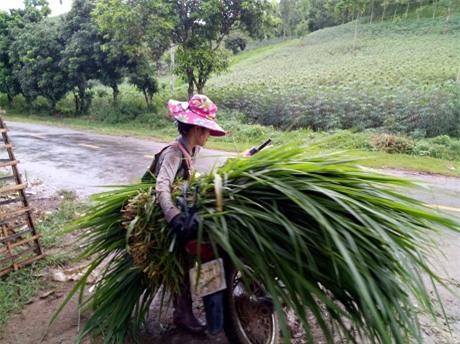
[202, 135]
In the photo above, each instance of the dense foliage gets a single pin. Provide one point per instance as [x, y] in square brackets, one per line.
[325, 237]
[404, 77]
[399, 75]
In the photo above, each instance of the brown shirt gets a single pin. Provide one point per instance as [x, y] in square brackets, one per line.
[171, 166]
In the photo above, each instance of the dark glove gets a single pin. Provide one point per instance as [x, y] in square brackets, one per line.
[185, 226]
[178, 222]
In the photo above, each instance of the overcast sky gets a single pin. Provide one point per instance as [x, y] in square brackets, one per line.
[56, 7]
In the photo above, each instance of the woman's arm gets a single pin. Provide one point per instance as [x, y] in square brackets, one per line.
[170, 164]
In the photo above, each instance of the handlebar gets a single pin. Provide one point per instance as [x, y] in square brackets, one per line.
[264, 144]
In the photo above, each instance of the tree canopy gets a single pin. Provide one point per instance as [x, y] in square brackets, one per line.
[35, 56]
[196, 28]
[10, 23]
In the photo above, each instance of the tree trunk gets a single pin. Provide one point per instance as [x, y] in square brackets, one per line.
[190, 89]
[53, 105]
[200, 87]
[116, 92]
[146, 97]
[434, 8]
[150, 97]
[407, 10]
[383, 13]
[10, 99]
[83, 99]
[394, 14]
[447, 21]
[171, 54]
[420, 9]
[77, 105]
[355, 37]
[372, 12]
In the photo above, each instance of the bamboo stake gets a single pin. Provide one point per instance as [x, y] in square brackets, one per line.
[9, 163]
[20, 264]
[8, 245]
[8, 146]
[13, 188]
[19, 243]
[15, 235]
[15, 213]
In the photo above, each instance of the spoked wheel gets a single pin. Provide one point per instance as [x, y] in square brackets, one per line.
[249, 313]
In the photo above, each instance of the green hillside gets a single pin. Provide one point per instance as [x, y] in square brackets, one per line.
[402, 77]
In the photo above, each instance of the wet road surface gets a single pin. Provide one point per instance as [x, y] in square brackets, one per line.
[82, 162]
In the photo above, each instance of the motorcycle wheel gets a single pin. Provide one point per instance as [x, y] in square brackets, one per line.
[249, 313]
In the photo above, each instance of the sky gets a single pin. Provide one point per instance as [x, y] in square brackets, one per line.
[56, 7]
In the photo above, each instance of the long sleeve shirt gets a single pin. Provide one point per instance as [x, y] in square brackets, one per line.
[171, 166]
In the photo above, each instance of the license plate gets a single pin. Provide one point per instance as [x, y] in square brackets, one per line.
[209, 279]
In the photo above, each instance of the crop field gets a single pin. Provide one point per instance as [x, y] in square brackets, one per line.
[403, 77]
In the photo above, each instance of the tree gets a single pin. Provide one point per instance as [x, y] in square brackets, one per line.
[321, 15]
[199, 28]
[142, 76]
[8, 84]
[127, 28]
[447, 20]
[34, 11]
[235, 42]
[36, 54]
[92, 54]
[82, 37]
[113, 64]
[196, 65]
[357, 8]
[196, 27]
[290, 16]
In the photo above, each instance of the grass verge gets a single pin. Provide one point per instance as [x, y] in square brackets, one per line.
[23, 286]
[243, 136]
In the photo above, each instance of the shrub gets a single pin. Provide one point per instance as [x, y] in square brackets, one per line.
[130, 105]
[392, 144]
[441, 140]
[235, 43]
[66, 105]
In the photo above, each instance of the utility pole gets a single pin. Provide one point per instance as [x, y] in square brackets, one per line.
[171, 53]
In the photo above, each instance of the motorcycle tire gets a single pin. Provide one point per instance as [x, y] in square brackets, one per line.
[249, 314]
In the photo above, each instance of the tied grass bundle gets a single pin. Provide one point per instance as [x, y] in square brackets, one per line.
[130, 243]
[323, 235]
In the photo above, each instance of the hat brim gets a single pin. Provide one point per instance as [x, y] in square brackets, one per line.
[184, 115]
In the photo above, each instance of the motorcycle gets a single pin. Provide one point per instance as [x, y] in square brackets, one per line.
[242, 309]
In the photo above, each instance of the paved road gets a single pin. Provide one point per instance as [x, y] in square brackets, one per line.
[82, 162]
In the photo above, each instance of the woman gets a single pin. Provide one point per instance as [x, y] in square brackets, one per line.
[196, 122]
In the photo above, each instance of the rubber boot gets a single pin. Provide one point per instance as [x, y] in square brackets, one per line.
[183, 313]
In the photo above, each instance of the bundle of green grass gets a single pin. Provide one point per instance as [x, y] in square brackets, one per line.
[326, 237]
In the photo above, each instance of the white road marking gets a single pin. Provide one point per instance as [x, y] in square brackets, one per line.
[443, 207]
[38, 136]
[88, 146]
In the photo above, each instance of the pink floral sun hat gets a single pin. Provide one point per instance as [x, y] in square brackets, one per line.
[199, 110]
